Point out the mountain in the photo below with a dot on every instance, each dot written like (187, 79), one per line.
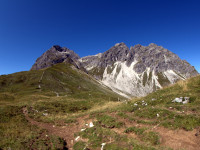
(139, 70)
(57, 54)
(130, 72)
(60, 105)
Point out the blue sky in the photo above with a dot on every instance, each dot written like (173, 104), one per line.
(29, 27)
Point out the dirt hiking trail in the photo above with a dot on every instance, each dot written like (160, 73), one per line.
(65, 132)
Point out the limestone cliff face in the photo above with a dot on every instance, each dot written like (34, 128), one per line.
(139, 70)
(132, 72)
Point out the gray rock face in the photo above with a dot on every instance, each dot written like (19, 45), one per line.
(90, 62)
(116, 53)
(54, 55)
(159, 59)
(155, 57)
(140, 70)
(130, 72)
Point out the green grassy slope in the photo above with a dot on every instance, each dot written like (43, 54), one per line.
(134, 125)
(171, 115)
(61, 79)
(61, 89)
(141, 123)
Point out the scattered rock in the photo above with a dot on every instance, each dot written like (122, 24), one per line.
(45, 114)
(144, 104)
(57, 94)
(83, 129)
(76, 139)
(102, 145)
(181, 100)
(91, 125)
(198, 132)
(187, 99)
(178, 100)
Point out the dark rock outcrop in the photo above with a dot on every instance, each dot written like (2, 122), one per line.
(54, 55)
(116, 53)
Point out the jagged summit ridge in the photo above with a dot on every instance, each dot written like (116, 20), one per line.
(139, 70)
(135, 72)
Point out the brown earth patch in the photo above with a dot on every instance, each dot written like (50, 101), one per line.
(175, 139)
(65, 132)
(178, 139)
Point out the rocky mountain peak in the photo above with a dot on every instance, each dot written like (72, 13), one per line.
(136, 46)
(122, 44)
(152, 45)
(135, 72)
(140, 70)
(57, 48)
(116, 53)
(56, 54)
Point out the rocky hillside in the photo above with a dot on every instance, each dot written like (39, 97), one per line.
(54, 55)
(132, 72)
(139, 70)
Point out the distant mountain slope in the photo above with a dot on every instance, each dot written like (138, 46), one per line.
(138, 71)
(134, 72)
(62, 79)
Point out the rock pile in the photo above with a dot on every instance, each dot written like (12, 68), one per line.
(183, 100)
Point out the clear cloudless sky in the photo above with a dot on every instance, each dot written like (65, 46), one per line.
(30, 27)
